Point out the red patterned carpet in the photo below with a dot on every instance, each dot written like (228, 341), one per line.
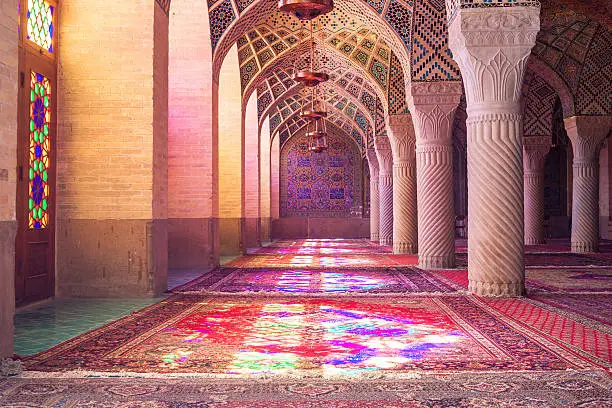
(311, 330)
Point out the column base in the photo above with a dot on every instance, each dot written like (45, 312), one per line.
(582, 247)
(495, 289)
(437, 261)
(404, 248)
(534, 241)
(374, 237)
(386, 241)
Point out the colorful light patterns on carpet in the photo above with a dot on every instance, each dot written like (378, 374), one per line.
(243, 336)
(40, 23)
(323, 281)
(38, 174)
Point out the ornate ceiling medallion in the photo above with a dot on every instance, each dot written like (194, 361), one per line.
(306, 9)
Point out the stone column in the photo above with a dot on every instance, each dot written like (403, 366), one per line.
(535, 149)
(374, 196)
(385, 177)
(586, 133)
(491, 46)
(433, 107)
(401, 136)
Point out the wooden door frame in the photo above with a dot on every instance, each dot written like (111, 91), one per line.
(33, 58)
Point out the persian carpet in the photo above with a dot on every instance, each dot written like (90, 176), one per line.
(591, 339)
(322, 261)
(333, 281)
(569, 280)
(597, 307)
(323, 243)
(553, 260)
(319, 250)
(466, 390)
(319, 337)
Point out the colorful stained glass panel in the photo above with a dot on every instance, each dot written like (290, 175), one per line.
(40, 23)
(40, 126)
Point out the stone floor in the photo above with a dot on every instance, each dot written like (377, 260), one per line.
(46, 324)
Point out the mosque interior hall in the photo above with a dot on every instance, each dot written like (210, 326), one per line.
(305, 203)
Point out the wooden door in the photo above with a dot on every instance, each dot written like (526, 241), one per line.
(36, 164)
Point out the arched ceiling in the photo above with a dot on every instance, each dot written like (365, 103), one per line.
(280, 86)
(295, 126)
(577, 48)
(335, 32)
(387, 19)
(342, 111)
(327, 60)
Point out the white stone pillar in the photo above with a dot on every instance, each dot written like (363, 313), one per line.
(535, 149)
(402, 138)
(586, 133)
(491, 46)
(433, 106)
(374, 195)
(385, 177)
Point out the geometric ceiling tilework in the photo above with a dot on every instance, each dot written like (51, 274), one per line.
(399, 16)
(538, 102)
(577, 48)
(594, 95)
(221, 18)
(343, 84)
(281, 37)
(388, 20)
(296, 125)
(284, 114)
(431, 57)
(397, 91)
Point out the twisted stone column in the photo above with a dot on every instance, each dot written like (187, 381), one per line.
(374, 195)
(491, 46)
(535, 149)
(433, 105)
(385, 177)
(586, 133)
(401, 136)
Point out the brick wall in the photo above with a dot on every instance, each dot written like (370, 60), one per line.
(251, 159)
(264, 156)
(230, 138)
(231, 148)
(190, 135)
(192, 145)
(275, 178)
(112, 149)
(8, 155)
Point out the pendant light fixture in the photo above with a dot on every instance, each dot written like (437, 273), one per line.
(306, 9)
(309, 77)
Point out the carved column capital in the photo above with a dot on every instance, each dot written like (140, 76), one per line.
(384, 154)
(372, 162)
(434, 105)
(587, 133)
(402, 138)
(535, 149)
(491, 48)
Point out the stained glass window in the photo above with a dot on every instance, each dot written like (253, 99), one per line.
(40, 23)
(40, 122)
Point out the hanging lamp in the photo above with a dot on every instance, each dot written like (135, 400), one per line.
(306, 9)
(309, 77)
(314, 110)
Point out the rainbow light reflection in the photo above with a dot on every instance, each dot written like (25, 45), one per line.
(331, 336)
